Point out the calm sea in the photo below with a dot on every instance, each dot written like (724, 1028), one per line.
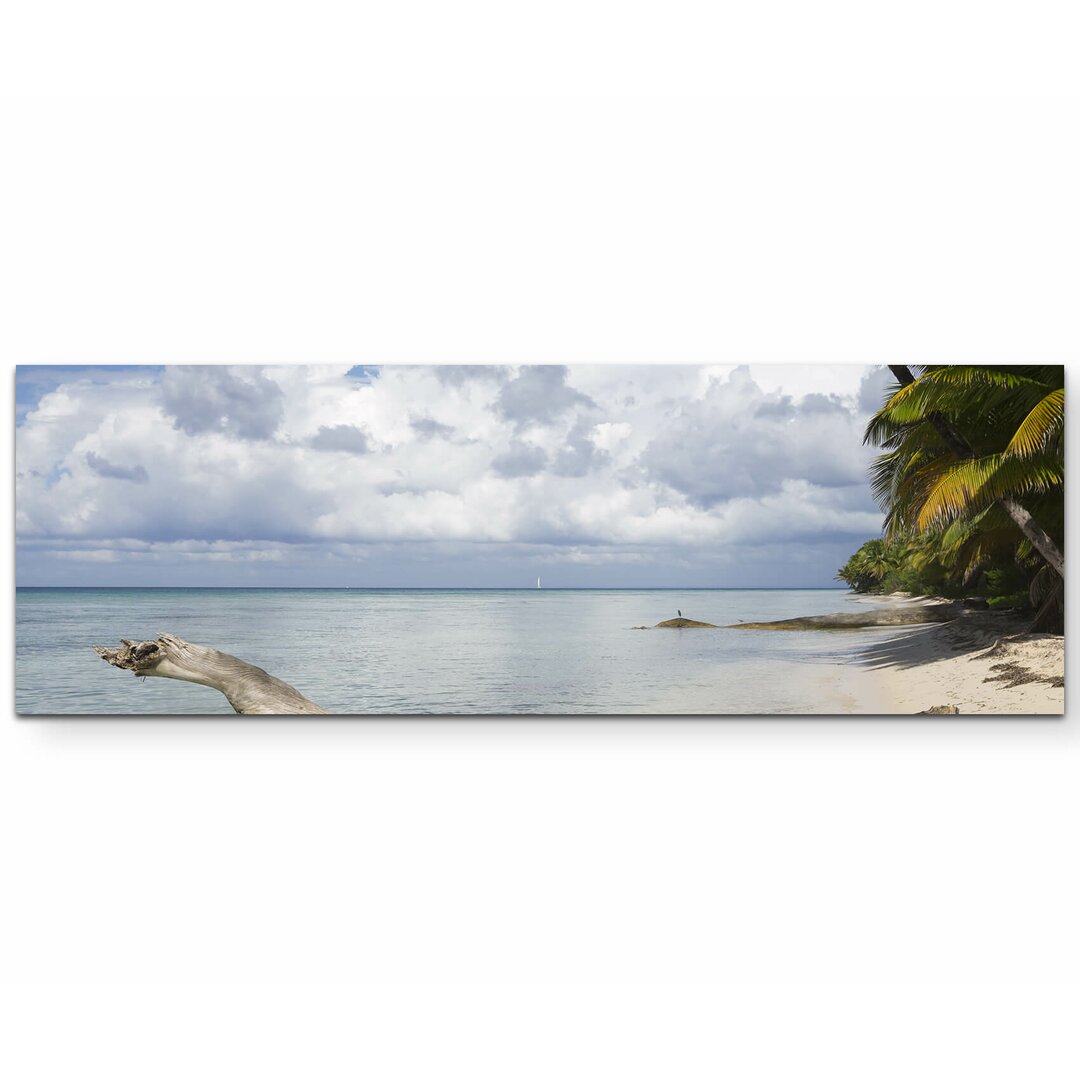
(438, 651)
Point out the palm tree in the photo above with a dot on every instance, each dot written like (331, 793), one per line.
(870, 565)
(879, 561)
(966, 444)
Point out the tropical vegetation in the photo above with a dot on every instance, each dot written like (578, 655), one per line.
(971, 480)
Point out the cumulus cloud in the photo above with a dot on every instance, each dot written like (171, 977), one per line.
(736, 440)
(519, 460)
(537, 395)
(242, 402)
(460, 475)
(579, 455)
(340, 437)
(459, 374)
(873, 388)
(427, 428)
(137, 474)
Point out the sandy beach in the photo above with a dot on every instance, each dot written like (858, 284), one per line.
(982, 662)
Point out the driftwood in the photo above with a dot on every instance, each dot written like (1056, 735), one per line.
(249, 689)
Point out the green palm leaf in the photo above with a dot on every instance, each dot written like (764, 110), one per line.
(1045, 421)
(959, 447)
(972, 484)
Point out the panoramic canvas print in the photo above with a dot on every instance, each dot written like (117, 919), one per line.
(539, 539)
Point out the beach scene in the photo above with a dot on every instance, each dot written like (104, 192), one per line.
(584, 540)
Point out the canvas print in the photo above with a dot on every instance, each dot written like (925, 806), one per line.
(540, 540)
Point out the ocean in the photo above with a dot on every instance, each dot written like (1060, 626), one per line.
(440, 651)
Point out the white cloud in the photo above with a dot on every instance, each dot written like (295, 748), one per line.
(737, 440)
(615, 464)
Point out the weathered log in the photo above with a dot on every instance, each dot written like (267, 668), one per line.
(249, 689)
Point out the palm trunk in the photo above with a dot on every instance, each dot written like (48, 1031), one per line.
(1040, 539)
(1050, 618)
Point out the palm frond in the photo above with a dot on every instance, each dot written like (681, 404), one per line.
(972, 484)
(1040, 425)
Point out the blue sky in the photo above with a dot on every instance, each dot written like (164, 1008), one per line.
(442, 476)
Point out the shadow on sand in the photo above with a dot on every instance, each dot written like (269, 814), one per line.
(913, 648)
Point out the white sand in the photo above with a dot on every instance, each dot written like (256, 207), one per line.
(957, 664)
(962, 663)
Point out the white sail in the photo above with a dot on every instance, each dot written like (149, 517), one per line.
(538, 583)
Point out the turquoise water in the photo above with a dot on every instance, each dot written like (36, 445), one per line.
(436, 651)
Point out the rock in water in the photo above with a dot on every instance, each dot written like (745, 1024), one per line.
(685, 624)
(856, 620)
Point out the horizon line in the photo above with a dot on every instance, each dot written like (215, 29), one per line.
(470, 588)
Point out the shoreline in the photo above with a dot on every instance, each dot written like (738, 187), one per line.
(982, 662)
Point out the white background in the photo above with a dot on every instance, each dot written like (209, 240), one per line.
(565, 183)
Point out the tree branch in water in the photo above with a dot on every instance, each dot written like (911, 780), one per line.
(249, 689)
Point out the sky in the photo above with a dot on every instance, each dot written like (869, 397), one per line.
(443, 476)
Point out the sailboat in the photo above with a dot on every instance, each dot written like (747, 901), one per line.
(538, 583)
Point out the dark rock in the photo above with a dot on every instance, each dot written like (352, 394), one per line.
(687, 624)
(857, 620)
